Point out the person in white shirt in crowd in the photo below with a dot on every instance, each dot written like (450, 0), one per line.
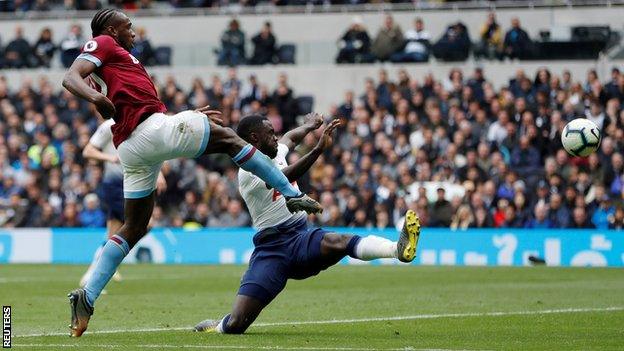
(417, 44)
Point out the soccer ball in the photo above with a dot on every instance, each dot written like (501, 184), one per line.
(580, 137)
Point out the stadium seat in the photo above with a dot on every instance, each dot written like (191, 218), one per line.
(305, 104)
(163, 55)
(286, 53)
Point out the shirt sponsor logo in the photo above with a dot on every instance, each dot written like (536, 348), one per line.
(134, 59)
(90, 46)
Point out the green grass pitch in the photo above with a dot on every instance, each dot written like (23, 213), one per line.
(346, 308)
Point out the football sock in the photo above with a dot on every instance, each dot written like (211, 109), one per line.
(372, 247)
(96, 257)
(113, 253)
(254, 161)
(221, 327)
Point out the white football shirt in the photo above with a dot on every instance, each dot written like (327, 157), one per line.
(103, 140)
(267, 207)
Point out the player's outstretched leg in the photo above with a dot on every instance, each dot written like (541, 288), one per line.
(335, 246)
(246, 310)
(137, 213)
(247, 157)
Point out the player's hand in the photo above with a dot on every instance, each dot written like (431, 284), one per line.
(161, 184)
(104, 106)
(213, 115)
(114, 159)
(326, 139)
(314, 120)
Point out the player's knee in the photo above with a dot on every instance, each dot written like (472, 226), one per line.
(334, 243)
(225, 139)
(133, 233)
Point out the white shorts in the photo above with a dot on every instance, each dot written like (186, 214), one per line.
(155, 140)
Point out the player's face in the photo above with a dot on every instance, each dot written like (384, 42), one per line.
(125, 33)
(267, 140)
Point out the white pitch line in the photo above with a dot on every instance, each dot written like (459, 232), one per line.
(358, 320)
(234, 347)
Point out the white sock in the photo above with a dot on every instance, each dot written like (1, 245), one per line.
(372, 247)
(219, 328)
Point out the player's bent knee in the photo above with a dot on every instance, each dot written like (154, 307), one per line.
(223, 139)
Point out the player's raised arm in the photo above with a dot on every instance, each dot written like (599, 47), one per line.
(297, 169)
(75, 83)
(293, 137)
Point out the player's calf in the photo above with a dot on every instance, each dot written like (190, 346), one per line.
(334, 244)
(372, 247)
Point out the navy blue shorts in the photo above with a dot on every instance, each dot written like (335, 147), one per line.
(112, 197)
(289, 252)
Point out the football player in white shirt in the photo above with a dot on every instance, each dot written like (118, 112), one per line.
(101, 148)
(285, 246)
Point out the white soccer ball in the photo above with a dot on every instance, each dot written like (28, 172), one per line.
(580, 137)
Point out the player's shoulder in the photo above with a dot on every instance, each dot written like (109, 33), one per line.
(282, 149)
(99, 42)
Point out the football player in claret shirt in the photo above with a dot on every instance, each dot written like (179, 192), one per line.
(145, 137)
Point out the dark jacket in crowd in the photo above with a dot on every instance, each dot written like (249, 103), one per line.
(264, 49)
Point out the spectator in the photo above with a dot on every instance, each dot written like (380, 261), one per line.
(92, 216)
(617, 220)
(265, 50)
(595, 114)
(540, 219)
(525, 158)
(417, 45)
(71, 45)
(558, 213)
(284, 100)
(18, 53)
(232, 46)
(454, 45)
(44, 48)
(235, 216)
(603, 214)
(580, 220)
(511, 218)
(491, 44)
(70, 216)
(463, 219)
(389, 40)
(612, 87)
(441, 210)
(43, 154)
(355, 45)
(142, 49)
(517, 43)
(17, 213)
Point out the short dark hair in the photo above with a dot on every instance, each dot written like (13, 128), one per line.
(101, 19)
(249, 124)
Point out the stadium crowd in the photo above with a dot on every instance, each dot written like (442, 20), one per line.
(19, 53)
(390, 43)
(458, 151)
